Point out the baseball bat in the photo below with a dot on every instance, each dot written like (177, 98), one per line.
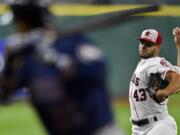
(109, 20)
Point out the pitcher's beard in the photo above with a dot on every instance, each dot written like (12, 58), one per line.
(146, 56)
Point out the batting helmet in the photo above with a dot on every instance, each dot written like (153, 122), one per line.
(40, 3)
(33, 12)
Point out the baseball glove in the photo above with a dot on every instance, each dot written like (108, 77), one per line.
(156, 83)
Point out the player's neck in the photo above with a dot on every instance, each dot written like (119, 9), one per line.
(156, 54)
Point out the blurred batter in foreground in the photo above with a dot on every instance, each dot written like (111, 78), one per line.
(66, 75)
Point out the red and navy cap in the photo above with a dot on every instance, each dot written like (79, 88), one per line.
(151, 35)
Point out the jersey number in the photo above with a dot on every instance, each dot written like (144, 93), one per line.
(140, 95)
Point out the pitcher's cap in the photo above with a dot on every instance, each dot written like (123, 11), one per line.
(151, 35)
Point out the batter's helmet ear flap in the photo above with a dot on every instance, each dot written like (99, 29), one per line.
(6, 18)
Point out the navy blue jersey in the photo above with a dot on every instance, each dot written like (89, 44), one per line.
(85, 90)
(88, 87)
(2, 50)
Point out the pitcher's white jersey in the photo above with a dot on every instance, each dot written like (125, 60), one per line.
(141, 104)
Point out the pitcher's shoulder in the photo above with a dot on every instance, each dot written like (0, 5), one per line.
(158, 61)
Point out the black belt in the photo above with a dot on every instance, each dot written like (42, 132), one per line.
(143, 122)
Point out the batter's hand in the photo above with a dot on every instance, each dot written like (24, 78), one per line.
(176, 33)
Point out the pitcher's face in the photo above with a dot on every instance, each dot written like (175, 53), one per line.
(147, 49)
